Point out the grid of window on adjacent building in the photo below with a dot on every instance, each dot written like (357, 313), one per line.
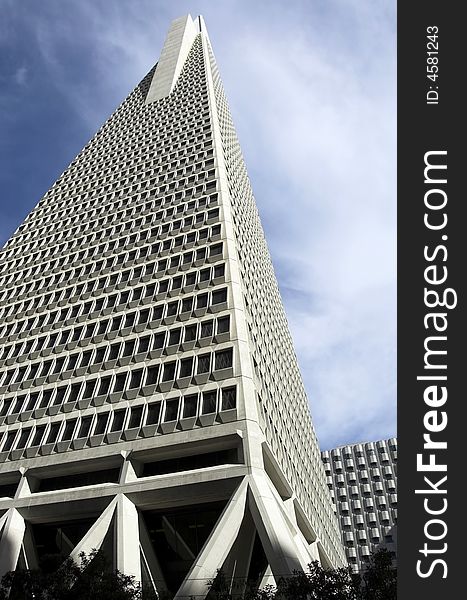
(115, 295)
(362, 479)
(281, 398)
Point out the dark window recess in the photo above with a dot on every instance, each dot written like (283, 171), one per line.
(172, 309)
(78, 480)
(186, 367)
(229, 398)
(187, 304)
(206, 329)
(89, 388)
(39, 434)
(169, 371)
(5, 408)
(9, 441)
(203, 363)
(84, 427)
(117, 423)
(130, 319)
(72, 360)
(74, 392)
(129, 348)
(59, 396)
(135, 380)
(114, 350)
(202, 301)
(119, 382)
(86, 358)
(101, 423)
(219, 296)
(215, 250)
(223, 359)
(189, 406)
(190, 333)
(157, 313)
(102, 327)
(154, 411)
(23, 438)
(135, 418)
(69, 428)
(151, 376)
(53, 432)
(171, 410)
(143, 345)
(209, 402)
(143, 316)
(46, 395)
(205, 275)
(188, 463)
(190, 279)
(100, 353)
(104, 386)
(174, 337)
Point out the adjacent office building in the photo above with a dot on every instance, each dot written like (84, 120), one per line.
(151, 405)
(363, 483)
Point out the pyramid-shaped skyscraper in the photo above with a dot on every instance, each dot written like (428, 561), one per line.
(151, 404)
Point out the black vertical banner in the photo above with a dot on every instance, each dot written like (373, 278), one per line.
(432, 353)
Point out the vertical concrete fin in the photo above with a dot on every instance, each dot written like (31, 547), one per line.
(128, 552)
(177, 45)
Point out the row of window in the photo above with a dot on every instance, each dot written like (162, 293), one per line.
(158, 290)
(171, 410)
(169, 190)
(107, 356)
(117, 239)
(123, 243)
(137, 380)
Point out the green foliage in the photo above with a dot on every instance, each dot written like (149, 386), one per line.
(90, 580)
(378, 582)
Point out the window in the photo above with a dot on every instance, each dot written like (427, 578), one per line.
(189, 406)
(84, 427)
(219, 296)
(69, 428)
(101, 423)
(174, 337)
(223, 359)
(104, 386)
(117, 423)
(89, 388)
(207, 329)
(202, 301)
(169, 371)
(119, 382)
(190, 333)
(135, 380)
(143, 345)
(37, 439)
(204, 363)
(23, 438)
(186, 367)
(229, 398)
(153, 413)
(114, 350)
(135, 418)
(171, 410)
(53, 433)
(209, 402)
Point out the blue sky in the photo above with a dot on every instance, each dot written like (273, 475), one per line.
(312, 88)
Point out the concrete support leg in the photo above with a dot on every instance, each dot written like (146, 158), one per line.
(237, 564)
(280, 549)
(96, 534)
(127, 538)
(11, 540)
(29, 549)
(217, 546)
(150, 559)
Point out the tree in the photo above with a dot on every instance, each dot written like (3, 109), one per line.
(91, 579)
(379, 580)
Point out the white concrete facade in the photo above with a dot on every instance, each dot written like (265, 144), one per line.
(362, 479)
(150, 400)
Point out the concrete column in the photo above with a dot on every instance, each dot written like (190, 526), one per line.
(11, 540)
(96, 534)
(280, 549)
(127, 538)
(218, 545)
